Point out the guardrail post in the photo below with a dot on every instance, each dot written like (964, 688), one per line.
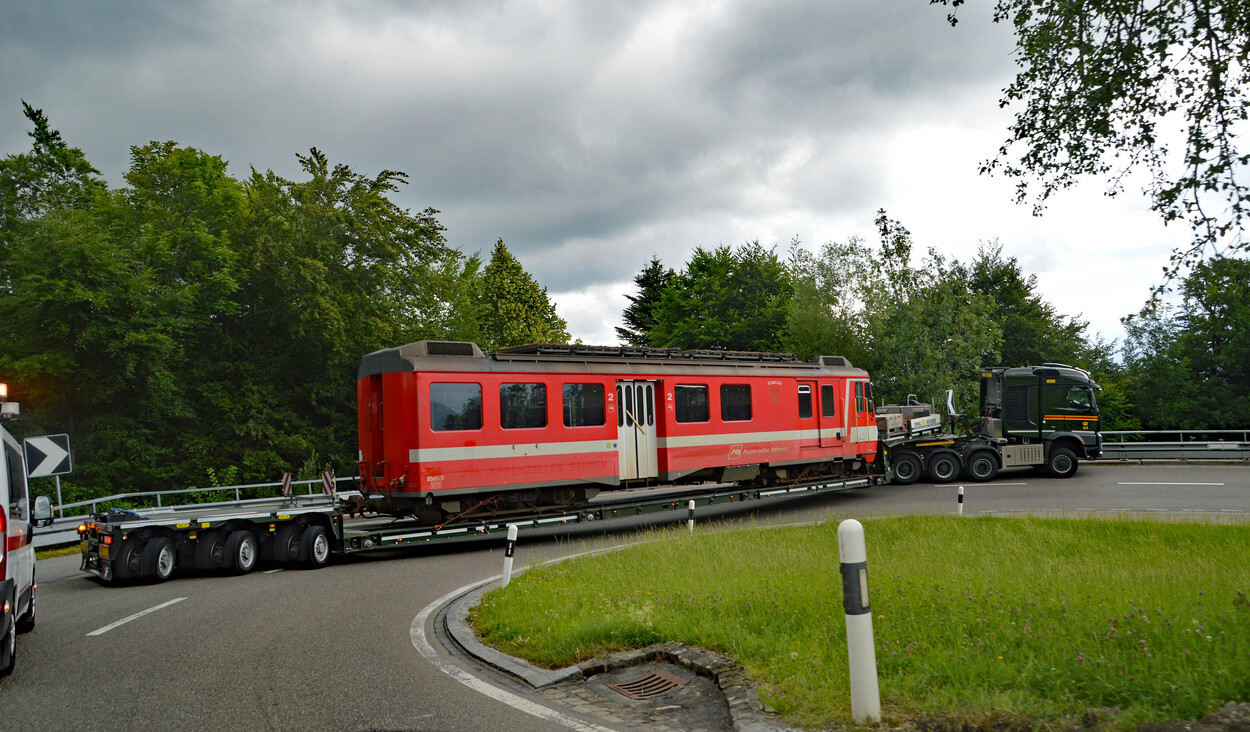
(860, 649)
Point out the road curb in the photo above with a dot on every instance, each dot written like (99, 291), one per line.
(745, 709)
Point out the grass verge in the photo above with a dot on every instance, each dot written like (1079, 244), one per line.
(1036, 619)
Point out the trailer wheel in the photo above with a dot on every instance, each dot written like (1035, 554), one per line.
(157, 560)
(981, 466)
(906, 468)
(210, 551)
(129, 561)
(943, 466)
(314, 547)
(26, 623)
(242, 551)
(1061, 463)
(285, 546)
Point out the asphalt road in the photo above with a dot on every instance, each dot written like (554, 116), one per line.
(331, 648)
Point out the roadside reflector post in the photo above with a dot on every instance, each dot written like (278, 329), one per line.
(961, 500)
(690, 515)
(860, 648)
(507, 555)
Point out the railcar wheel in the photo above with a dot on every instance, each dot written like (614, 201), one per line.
(242, 551)
(943, 466)
(314, 547)
(906, 468)
(26, 623)
(285, 546)
(210, 551)
(982, 466)
(1061, 463)
(157, 561)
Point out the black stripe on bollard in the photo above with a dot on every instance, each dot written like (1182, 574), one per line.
(510, 549)
(855, 588)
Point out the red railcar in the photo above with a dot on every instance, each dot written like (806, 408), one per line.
(448, 430)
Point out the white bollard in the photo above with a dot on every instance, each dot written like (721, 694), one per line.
(690, 515)
(860, 648)
(507, 556)
(961, 500)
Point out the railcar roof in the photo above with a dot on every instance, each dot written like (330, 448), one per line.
(537, 358)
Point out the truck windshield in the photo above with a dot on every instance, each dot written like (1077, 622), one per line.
(1080, 397)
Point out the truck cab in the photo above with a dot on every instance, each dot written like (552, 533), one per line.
(1052, 408)
(17, 552)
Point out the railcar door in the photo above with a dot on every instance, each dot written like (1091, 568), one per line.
(635, 429)
(832, 415)
(809, 422)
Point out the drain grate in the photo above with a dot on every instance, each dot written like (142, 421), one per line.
(653, 684)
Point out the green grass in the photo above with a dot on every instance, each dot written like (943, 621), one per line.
(1031, 619)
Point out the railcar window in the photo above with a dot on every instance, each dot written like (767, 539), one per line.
(620, 409)
(583, 405)
(859, 397)
(522, 406)
(735, 402)
(872, 401)
(828, 406)
(650, 399)
(691, 403)
(455, 407)
(805, 401)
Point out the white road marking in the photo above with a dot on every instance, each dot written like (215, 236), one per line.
(1171, 484)
(419, 641)
(271, 571)
(136, 616)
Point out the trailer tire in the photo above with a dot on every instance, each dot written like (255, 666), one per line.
(981, 465)
(129, 562)
(26, 623)
(906, 468)
(285, 545)
(1061, 463)
(943, 466)
(210, 551)
(314, 547)
(242, 551)
(158, 559)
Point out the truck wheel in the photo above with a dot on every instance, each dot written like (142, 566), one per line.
(210, 551)
(242, 551)
(906, 468)
(981, 466)
(158, 559)
(129, 560)
(314, 547)
(1061, 463)
(8, 650)
(285, 546)
(943, 466)
(26, 623)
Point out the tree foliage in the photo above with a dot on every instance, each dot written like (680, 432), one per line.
(639, 315)
(513, 309)
(1106, 87)
(726, 298)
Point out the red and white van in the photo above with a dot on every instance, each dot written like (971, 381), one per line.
(17, 553)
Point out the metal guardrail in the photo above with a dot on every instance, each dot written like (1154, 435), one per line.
(1177, 445)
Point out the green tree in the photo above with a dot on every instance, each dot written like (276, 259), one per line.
(513, 309)
(639, 315)
(1106, 87)
(825, 318)
(726, 299)
(1033, 332)
(1190, 362)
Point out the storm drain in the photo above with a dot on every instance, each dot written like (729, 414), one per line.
(653, 684)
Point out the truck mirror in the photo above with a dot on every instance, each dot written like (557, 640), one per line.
(43, 511)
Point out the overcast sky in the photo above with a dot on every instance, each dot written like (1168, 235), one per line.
(590, 135)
